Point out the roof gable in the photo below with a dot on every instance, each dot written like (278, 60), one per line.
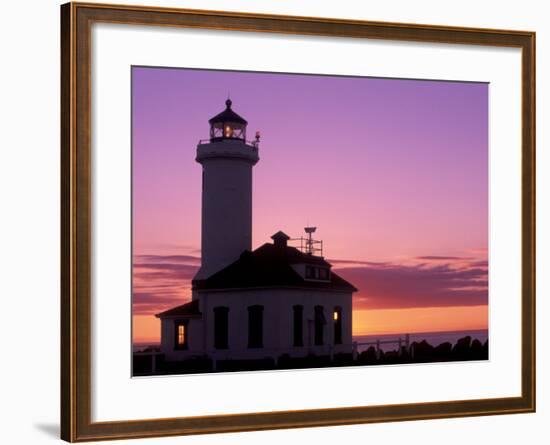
(271, 266)
(190, 309)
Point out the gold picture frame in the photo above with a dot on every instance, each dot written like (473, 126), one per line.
(76, 361)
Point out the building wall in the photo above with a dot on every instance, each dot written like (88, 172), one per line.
(277, 323)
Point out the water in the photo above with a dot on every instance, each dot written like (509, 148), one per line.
(433, 338)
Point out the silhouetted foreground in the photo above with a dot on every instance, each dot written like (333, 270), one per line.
(420, 352)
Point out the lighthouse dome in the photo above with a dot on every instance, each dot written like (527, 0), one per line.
(227, 124)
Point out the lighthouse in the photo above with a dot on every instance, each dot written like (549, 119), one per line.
(227, 160)
(275, 301)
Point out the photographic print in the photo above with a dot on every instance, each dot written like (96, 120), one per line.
(287, 221)
(321, 199)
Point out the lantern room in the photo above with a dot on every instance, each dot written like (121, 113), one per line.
(227, 125)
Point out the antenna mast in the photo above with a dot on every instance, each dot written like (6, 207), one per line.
(309, 241)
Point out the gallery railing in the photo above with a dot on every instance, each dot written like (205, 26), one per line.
(255, 143)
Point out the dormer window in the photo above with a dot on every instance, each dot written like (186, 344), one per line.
(317, 273)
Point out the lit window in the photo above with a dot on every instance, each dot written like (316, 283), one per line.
(181, 334)
(337, 316)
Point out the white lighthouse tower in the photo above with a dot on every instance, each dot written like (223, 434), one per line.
(227, 160)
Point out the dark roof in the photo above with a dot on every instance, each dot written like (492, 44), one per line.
(271, 266)
(185, 310)
(228, 115)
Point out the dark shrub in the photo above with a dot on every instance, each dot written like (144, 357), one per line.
(443, 351)
(390, 357)
(476, 349)
(462, 346)
(342, 359)
(368, 356)
(422, 350)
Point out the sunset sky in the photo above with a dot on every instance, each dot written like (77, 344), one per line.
(394, 173)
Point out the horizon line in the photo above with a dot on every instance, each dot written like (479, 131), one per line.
(362, 334)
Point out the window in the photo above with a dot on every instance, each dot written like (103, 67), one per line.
(255, 326)
(221, 327)
(298, 325)
(180, 330)
(317, 273)
(320, 322)
(337, 318)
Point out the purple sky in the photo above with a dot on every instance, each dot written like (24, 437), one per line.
(393, 173)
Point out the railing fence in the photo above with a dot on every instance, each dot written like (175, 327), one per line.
(403, 344)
